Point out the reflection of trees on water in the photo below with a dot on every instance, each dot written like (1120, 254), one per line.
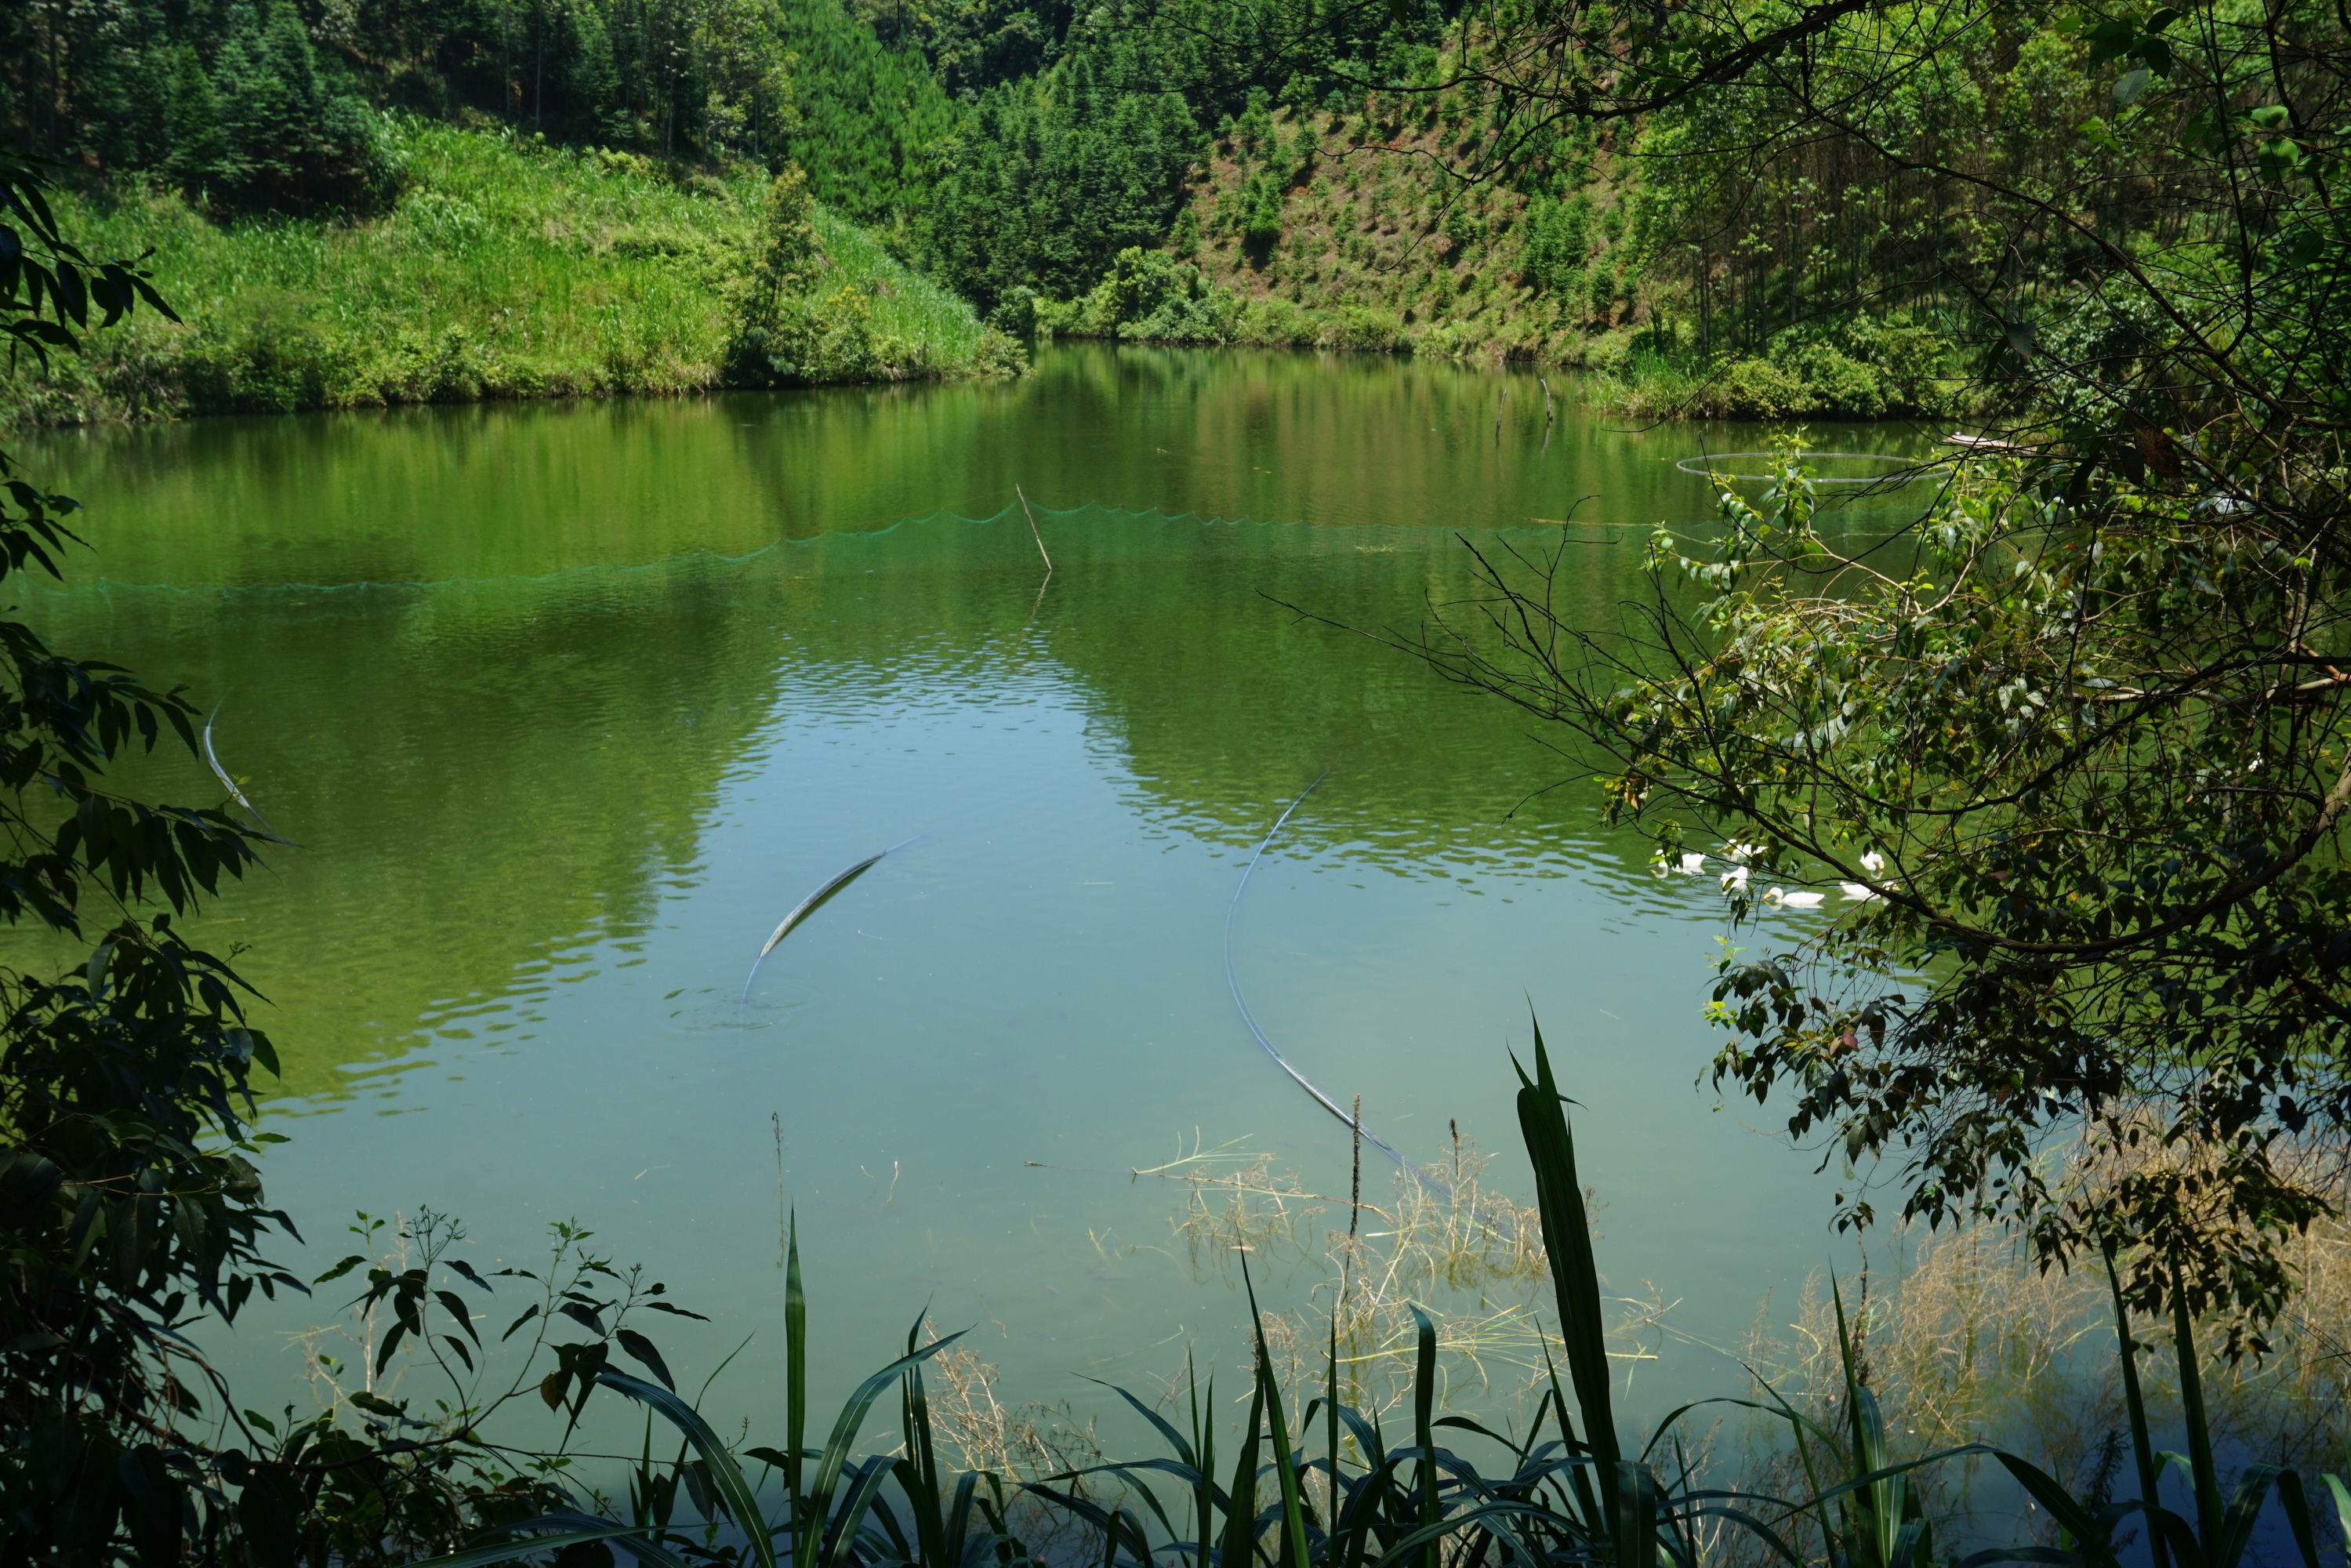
(491, 666)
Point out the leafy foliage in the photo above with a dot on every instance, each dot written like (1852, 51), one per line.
(2078, 745)
(125, 1190)
(506, 269)
(270, 127)
(263, 105)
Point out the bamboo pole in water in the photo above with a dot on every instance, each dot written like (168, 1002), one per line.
(1033, 529)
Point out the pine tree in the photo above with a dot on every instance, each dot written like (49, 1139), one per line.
(195, 150)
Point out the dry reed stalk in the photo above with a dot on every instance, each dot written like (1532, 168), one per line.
(1980, 1341)
(1022, 1443)
(1434, 1245)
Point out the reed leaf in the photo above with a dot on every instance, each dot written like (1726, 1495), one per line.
(1423, 1407)
(1636, 1515)
(2296, 1506)
(2205, 1473)
(835, 1458)
(2075, 1520)
(864, 1489)
(1293, 1505)
(806, 907)
(795, 1366)
(1240, 1508)
(2244, 1508)
(920, 1481)
(1567, 1237)
(726, 1476)
(2134, 1410)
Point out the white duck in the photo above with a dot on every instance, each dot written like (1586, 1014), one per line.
(1735, 880)
(1873, 864)
(1691, 865)
(1741, 853)
(1859, 893)
(1793, 900)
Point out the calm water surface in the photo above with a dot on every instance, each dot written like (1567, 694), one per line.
(566, 705)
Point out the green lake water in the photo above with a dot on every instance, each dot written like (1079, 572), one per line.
(564, 707)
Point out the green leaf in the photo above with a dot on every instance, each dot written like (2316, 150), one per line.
(1637, 1519)
(2071, 1516)
(845, 1428)
(2342, 1496)
(456, 1309)
(2201, 1468)
(1293, 1507)
(726, 1476)
(1423, 1407)
(2134, 1408)
(1575, 1279)
(642, 1348)
(794, 1364)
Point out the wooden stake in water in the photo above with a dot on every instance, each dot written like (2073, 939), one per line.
(1498, 410)
(1354, 1206)
(1355, 1178)
(1033, 529)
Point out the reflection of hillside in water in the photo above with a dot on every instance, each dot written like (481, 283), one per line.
(483, 781)
(496, 669)
(496, 785)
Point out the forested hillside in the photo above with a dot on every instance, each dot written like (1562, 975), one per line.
(1198, 170)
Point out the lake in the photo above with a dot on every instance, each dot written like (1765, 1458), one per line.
(566, 705)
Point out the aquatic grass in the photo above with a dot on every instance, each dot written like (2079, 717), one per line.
(1567, 1492)
(1427, 1244)
(1977, 1335)
(507, 270)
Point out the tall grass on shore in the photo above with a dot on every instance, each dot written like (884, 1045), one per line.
(1322, 1483)
(507, 270)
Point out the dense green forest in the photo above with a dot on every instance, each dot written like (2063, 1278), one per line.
(1365, 177)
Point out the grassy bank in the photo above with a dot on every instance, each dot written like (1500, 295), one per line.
(506, 269)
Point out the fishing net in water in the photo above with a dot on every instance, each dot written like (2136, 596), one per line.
(1887, 469)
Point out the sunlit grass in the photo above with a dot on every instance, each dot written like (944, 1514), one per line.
(507, 270)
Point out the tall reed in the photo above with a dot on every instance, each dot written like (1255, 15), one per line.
(1334, 1486)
